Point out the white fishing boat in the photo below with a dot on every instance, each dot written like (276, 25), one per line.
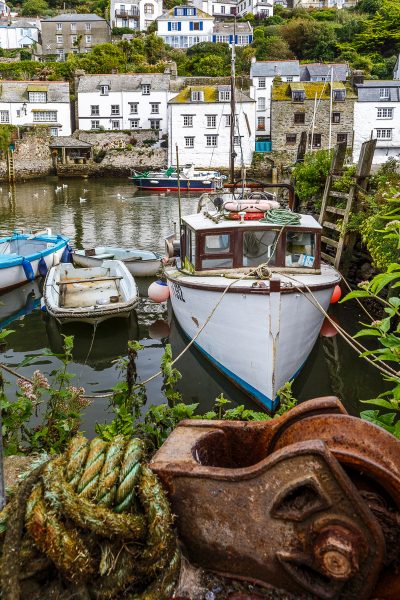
(90, 295)
(140, 263)
(263, 280)
(25, 256)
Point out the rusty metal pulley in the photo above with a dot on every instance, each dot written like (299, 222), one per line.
(309, 502)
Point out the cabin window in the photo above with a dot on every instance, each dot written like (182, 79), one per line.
(216, 244)
(190, 249)
(217, 253)
(300, 249)
(259, 247)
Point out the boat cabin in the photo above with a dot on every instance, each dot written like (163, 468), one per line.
(231, 244)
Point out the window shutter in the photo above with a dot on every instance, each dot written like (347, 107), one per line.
(191, 26)
(201, 25)
(214, 38)
(231, 39)
(179, 26)
(169, 26)
(250, 39)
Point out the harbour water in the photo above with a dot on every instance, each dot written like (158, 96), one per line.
(111, 212)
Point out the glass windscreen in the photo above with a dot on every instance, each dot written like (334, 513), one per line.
(216, 244)
(300, 249)
(259, 247)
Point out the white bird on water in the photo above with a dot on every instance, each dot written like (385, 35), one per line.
(82, 200)
(58, 189)
(85, 191)
(36, 195)
(65, 185)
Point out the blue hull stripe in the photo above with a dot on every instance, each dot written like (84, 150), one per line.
(13, 260)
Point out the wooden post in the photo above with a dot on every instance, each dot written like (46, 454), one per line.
(179, 185)
(2, 485)
(63, 155)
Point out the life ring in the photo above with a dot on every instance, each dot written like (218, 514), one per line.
(249, 216)
(251, 206)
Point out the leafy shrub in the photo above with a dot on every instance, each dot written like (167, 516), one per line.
(310, 175)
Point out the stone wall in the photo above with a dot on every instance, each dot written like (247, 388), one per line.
(282, 123)
(32, 156)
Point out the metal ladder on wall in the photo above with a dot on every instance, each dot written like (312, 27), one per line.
(337, 205)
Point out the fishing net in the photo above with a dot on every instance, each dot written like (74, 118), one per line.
(93, 523)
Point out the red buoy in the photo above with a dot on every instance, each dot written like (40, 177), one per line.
(336, 294)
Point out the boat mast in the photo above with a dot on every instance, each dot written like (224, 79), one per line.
(232, 154)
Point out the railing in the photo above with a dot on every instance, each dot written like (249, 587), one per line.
(134, 12)
(263, 146)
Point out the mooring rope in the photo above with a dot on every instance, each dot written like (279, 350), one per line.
(97, 514)
(281, 216)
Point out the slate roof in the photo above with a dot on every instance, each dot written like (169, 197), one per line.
(271, 68)
(369, 91)
(73, 17)
(17, 91)
(308, 71)
(228, 28)
(210, 95)
(68, 142)
(123, 82)
(200, 14)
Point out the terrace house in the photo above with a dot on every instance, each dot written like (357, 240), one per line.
(33, 103)
(220, 9)
(377, 115)
(199, 119)
(20, 34)
(323, 72)
(76, 33)
(293, 112)
(184, 26)
(259, 8)
(134, 14)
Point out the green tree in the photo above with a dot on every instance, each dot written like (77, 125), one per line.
(272, 48)
(155, 48)
(369, 6)
(32, 8)
(213, 66)
(311, 40)
(381, 33)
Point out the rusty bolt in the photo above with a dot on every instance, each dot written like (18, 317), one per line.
(337, 552)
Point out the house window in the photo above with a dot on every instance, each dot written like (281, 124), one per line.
(37, 96)
(222, 38)
(298, 96)
(339, 95)
(115, 109)
(242, 40)
(385, 113)
(133, 108)
(289, 78)
(384, 134)
(179, 12)
(104, 89)
(261, 104)
(4, 116)
(341, 137)
(291, 138)
(114, 124)
(95, 110)
(227, 120)
(59, 27)
(197, 96)
(190, 12)
(73, 26)
(155, 124)
(261, 83)
(261, 123)
(175, 26)
(155, 108)
(95, 124)
(44, 116)
(197, 26)
(225, 95)
(74, 39)
(299, 118)
(189, 142)
(211, 141)
(59, 39)
(211, 121)
(148, 9)
(384, 93)
(316, 141)
(88, 39)
(54, 131)
(88, 27)
(336, 117)
(146, 89)
(236, 140)
(134, 123)
(222, 10)
(188, 120)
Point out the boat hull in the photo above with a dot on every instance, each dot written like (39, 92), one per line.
(167, 184)
(137, 268)
(12, 277)
(257, 338)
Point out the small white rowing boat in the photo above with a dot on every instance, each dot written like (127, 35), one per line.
(25, 256)
(140, 263)
(90, 295)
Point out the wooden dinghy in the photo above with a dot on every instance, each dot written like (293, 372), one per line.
(140, 263)
(91, 295)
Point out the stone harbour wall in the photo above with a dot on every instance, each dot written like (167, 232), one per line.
(32, 157)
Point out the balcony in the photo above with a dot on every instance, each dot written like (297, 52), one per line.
(127, 14)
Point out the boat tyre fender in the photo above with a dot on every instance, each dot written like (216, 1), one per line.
(42, 267)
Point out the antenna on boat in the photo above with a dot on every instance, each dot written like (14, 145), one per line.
(232, 155)
(179, 185)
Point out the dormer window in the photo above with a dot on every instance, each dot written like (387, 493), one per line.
(145, 89)
(298, 96)
(339, 95)
(104, 90)
(37, 96)
(179, 12)
(197, 96)
(384, 93)
(224, 95)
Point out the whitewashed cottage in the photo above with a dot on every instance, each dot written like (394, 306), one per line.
(34, 103)
(199, 120)
(184, 26)
(217, 8)
(123, 101)
(19, 34)
(225, 32)
(262, 74)
(259, 8)
(377, 115)
(135, 14)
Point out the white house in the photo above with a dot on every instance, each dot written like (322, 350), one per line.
(123, 101)
(135, 14)
(377, 115)
(36, 103)
(184, 26)
(225, 32)
(262, 75)
(20, 34)
(259, 8)
(217, 8)
(199, 120)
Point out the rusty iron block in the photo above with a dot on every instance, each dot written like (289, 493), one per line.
(292, 519)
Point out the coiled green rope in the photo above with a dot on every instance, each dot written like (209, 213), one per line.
(281, 216)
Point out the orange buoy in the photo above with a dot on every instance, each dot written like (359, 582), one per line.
(336, 294)
(328, 328)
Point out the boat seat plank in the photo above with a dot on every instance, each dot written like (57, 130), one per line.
(89, 280)
(103, 256)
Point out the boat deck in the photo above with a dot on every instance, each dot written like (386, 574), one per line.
(89, 293)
